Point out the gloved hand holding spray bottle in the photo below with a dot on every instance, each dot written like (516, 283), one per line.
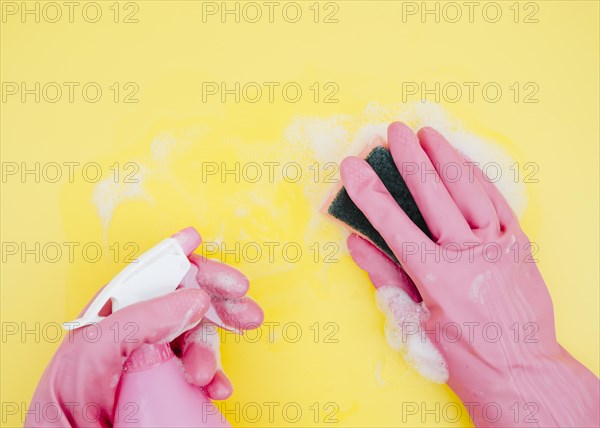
(120, 370)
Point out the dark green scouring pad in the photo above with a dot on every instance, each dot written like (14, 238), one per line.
(345, 210)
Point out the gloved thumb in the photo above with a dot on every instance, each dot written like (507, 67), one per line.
(158, 320)
(381, 269)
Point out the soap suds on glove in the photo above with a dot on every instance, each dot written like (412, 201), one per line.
(404, 333)
(226, 282)
(233, 307)
(476, 290)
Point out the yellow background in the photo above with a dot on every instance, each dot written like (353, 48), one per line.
(368, 53)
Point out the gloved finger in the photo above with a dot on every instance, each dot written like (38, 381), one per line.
(466, 191)
(189, 280)
(381, 269)
(202, 360)
(242, 312)
(200, 353)
(220, 387)
(219, 279)
(505, 214)
(370, 195)
(200, 364)
(161, 319)
(189, 239)
(444, 220)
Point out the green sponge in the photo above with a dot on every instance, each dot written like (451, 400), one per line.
(343, 209)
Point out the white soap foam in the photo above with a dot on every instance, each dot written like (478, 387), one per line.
(477, 289)
(108, 195)
(162, 147)
(114, 381)
(330, 139)
(242, 211)
(508, 249)
(378, 374)
(325, 139)
(226, 282)
(430, 277)
(233, 306)
(404, 333)
(490, 155)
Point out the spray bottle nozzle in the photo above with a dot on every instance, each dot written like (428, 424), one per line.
(155, 273)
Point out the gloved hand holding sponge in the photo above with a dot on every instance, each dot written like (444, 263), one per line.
(446, 255)
(468, 286)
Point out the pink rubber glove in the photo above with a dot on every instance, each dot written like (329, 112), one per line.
(227, 288)
(78, 386)
(477, 278)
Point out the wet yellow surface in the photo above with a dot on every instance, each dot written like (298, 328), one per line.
(163, 115)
